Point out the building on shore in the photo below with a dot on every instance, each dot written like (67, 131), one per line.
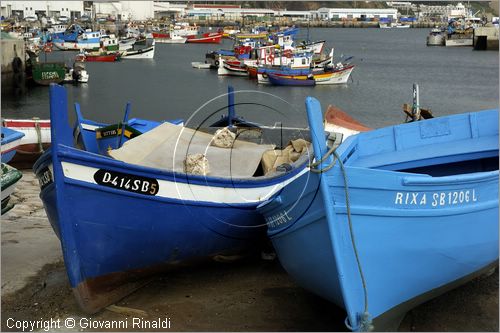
(334, 14)
(22, 9)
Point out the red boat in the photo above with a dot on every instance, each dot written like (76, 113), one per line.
(209, 38)
(102, 57)
(160, 35)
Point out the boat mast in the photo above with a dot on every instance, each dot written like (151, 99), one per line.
(416, 103)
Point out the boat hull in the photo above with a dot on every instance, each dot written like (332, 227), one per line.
(435, 40)
(405, 224)
(35, 141)
(75, 46)
(205, 40)
(133, 232)
(118, 221)
(9, 178)
(145, 53)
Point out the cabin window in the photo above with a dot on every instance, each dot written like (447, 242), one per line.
(31, 8)
(303, 61)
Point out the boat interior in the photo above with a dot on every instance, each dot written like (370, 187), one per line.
(453, 154)
(257, 152)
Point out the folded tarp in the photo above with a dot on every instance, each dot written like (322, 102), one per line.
(167, 146)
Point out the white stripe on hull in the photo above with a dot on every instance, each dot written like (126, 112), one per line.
(191, 192)
(8, 190)
(10, 146)
(31, 136)
(149, 54)
(76, 46)
(336, 78)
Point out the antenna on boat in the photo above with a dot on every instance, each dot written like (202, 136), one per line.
(416, 103)
(230, 104)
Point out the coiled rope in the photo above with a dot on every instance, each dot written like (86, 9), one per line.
(365, 322)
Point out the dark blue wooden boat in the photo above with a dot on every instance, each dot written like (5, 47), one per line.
(393, 216)
(278, 80)
(118, 221)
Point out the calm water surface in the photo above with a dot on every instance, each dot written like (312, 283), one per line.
(452, 80)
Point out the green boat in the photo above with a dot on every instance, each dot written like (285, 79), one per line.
(45, 73)
(10, 176)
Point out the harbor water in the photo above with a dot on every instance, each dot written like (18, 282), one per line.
(388, 62)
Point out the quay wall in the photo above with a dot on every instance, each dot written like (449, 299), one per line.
(486, 38)
(12, 65)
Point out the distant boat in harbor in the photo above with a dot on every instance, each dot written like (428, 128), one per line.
(436, 37)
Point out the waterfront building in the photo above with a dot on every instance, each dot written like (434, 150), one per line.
(124, 10)
(329, 14)
(22, 9)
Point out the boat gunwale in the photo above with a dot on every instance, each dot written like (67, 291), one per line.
(95, 160)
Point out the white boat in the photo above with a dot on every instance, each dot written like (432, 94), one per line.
(77, 74)
(200, 65)
(173, 39)
(147, 52)
(89, 40)
(436, 37)
(126, 43)
(228, 68)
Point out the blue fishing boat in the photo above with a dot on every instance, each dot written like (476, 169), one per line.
(11, 139)
(87, 40)
(119, 216)
(69, 35)
(290, 81)
(99, 138)
(393, 216)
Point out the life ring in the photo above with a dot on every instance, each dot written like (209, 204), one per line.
(270, 58)
(17, 65)
(217, 63)
(241, 50)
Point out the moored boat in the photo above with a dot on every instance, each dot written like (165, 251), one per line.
(278, 80)
(436, 37)
(200, 65)
(338, 121)
(209, 39)
(147, 217)
(33, 143)
(99, 57)
(11, 139)
(381, 212)
(9, 177)
(143, 50)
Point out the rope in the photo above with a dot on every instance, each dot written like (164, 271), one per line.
(39, 136)
(365, 323)
(313, 165)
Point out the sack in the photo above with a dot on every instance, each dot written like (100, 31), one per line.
(223, 138)
(196, 164)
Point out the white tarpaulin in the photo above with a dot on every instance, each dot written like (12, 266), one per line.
(167, 146)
